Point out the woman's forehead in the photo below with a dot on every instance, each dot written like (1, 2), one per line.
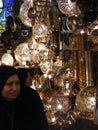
(13, 77)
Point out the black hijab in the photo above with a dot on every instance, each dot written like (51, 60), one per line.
(22, 72)
(5, 72)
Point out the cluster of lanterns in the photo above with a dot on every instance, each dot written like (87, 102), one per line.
(58, 97)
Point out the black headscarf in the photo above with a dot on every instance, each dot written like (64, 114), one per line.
(5, 72)
(22, 72)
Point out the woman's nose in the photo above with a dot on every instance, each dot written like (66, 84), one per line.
(14, 87)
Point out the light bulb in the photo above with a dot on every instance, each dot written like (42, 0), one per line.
(7, 59)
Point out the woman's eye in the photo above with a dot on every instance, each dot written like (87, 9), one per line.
(11, 83)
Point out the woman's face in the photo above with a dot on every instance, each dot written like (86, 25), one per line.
(11, 88)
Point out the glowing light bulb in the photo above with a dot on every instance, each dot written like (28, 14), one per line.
(53, 119)
(59, 106)
(7, 59)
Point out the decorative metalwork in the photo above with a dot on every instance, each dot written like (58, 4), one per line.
(86, 102)
(24, 13)
(68, 8)
(40, 30)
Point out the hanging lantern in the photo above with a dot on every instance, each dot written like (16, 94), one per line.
(24, 13)
(86, 102)
(22, 54)
(57, 107)
(7, 59)
(40, 30)
(68, 8)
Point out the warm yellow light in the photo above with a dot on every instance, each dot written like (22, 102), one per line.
(7, 59)
(59, 107)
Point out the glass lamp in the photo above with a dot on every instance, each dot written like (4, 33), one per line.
(57, 105)
(22, 54)
(86, 102)
(40, 30)
(7, 59)
(68, 8)
(24, 13)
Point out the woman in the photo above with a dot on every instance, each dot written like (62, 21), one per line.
(10, 38)
(20, 107)
(25, 77)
